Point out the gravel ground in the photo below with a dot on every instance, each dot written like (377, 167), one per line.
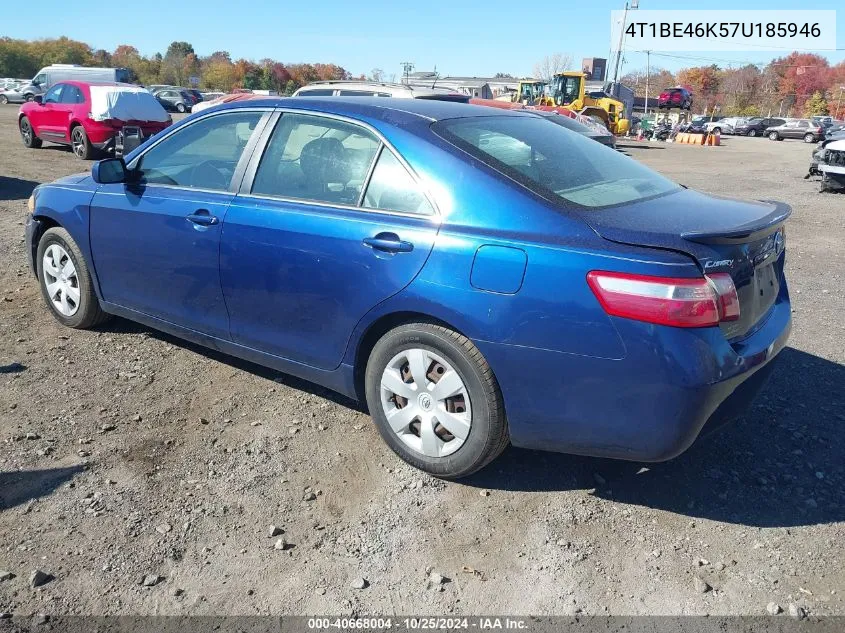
(143, 474)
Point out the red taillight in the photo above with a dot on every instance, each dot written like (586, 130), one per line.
(728, 299)
(675, 301)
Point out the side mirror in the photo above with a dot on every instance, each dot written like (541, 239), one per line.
(109, 171)
(39, 99)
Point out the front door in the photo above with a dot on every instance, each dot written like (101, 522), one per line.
(51, 120)
(155, 241)
(319, 236)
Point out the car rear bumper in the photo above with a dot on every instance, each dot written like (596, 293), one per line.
(649, 406)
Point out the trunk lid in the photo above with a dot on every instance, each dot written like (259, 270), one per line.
(743, 238)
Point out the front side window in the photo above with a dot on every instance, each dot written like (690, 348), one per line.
(391, 188)
(54, 94)
(40, 79)
(553, 162)
(202, 155)
(316, 158)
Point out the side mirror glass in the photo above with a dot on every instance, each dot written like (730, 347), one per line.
(109, 171)
(38, 99)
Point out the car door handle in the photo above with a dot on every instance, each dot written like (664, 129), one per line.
(203, 218)
(388, 243)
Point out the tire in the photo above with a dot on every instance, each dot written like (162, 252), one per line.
(80, 144)
(29, 97)
(28, 134)
(446, 352)
(717, 130)
(180, 107)
(752, 132)
(773, 136)
(809, 138)
(4, 99)
(83, 306)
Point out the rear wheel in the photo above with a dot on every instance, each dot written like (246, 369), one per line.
(4, 99)
(752, 132)
(180, 107)
(80, 144)
(28, 134)
(809, 138)
(65, 281)
(773, 136)
(435, 401)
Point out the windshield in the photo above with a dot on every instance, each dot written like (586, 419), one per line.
(568, 89)
(554, 162)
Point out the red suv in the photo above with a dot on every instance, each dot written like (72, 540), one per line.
(66, 114)
(675, 98)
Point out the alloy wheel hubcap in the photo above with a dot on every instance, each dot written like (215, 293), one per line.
(78, 145)
(426, 402)
(26, 131)
(61, 280)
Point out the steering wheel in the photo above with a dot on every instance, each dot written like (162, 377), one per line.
(207, 176)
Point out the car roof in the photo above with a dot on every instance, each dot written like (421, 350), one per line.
(403, 110)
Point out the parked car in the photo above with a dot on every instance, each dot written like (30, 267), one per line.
(478, 276)
(235, 96)
(51, 75)
(831, 165)
(11, 96)
(174, 100)
(756, 126)
(675, 98)
(818, 154)
(355, 88)
(797, 128)
(89, 116)
(698, 124)
(724, 126)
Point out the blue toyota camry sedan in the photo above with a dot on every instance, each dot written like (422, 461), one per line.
(478, 277)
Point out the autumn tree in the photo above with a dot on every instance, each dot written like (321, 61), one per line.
(815, 105)
(173, 64)
(801, 75)
(658, 80)
(703, 82)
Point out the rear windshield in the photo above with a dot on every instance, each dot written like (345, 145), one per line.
(553, 162)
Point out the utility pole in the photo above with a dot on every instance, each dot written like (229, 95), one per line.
(647, 74)
(634, 5)
(407, 67)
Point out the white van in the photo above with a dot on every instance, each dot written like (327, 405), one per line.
(50, 75)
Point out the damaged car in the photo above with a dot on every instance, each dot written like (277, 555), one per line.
(92, 118)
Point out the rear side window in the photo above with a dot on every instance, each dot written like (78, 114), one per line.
(391, 188)
(356, 93)
(553, 162)
(316, 158)
(72, 94)
(316, 93)
(202, 155)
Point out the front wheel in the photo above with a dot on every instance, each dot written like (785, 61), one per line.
(65, 281)
(773, 136)
(28, 134)
(435, 400)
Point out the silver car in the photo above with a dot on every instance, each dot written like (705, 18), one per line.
(11, 96)
(355, 88)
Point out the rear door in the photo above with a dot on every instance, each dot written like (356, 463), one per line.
(156, 241)
(328, 223)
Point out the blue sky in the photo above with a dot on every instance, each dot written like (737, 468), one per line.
(460, 38)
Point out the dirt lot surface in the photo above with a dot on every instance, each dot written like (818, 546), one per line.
(126, 454)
